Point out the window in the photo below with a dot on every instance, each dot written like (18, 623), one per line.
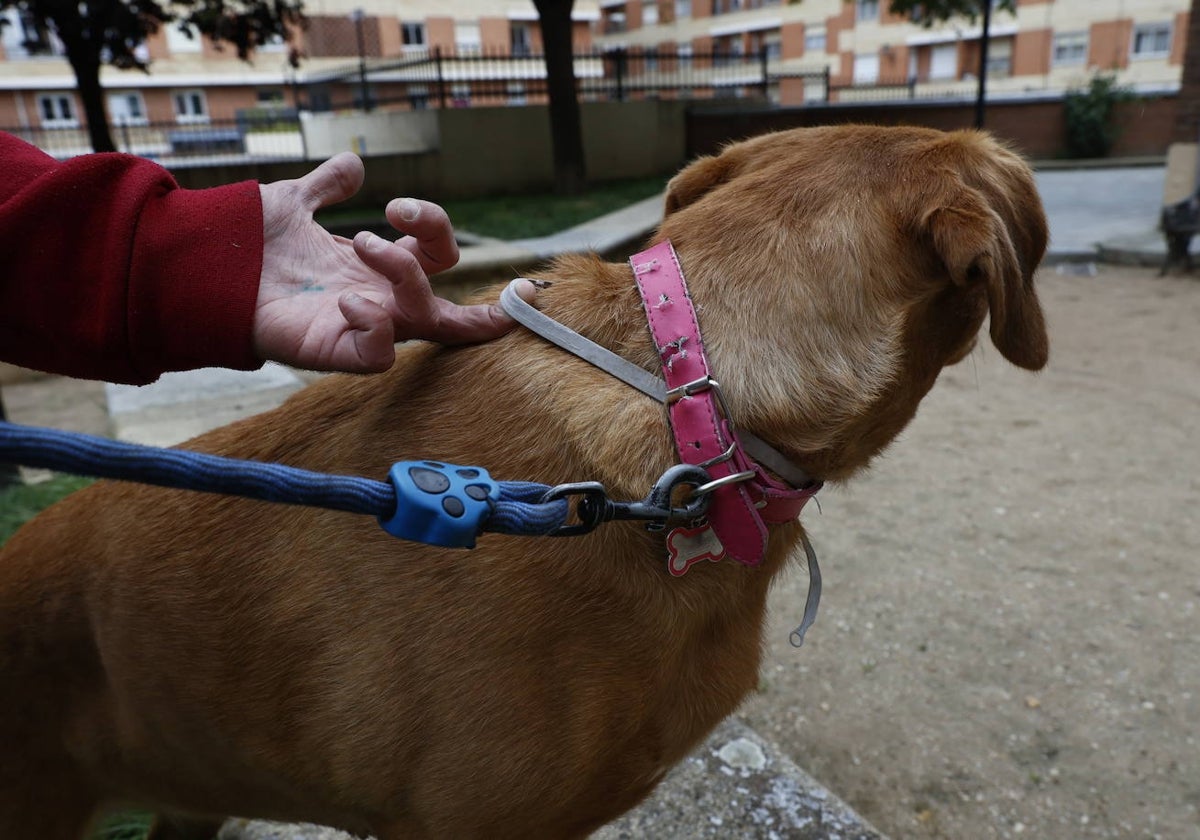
(520, 39)
(1152, 40)
(943, 62)
(179, 41)
(57, 110)
(467, 37)
(866, 10)
(516, 93)
(127, 108)
(412, 34)
(999, 63)
(1070, 48)
(722, 7)
(614, 20)
(683, 9)
(772, 41)
(270, 98)
(190, 106)
(650, 13)
(22, 37)
(866, 69)
(728, 50)
(814, 41)
(460, 96)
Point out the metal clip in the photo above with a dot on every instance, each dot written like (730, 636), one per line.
(656, 510)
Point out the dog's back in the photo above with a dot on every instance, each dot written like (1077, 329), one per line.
(212, 655)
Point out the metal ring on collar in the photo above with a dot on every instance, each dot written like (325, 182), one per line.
(732, 478)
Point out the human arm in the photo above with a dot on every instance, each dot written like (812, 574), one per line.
(114, 272)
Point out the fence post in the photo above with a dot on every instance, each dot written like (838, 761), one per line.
(619, 62)
(912, 87)
(441, 78)
(766, 78)
(357, 17)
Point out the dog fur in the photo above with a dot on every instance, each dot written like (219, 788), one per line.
(205, 655)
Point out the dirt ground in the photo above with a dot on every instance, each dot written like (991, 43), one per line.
(1009, 640)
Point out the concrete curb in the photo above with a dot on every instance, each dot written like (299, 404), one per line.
(737, 784)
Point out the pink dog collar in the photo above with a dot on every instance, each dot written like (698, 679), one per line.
(745, 496)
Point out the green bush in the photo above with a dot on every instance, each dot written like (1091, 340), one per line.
(1091, 131)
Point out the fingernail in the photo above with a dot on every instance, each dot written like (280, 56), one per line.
(406, 209)
(527, 291)
(368, 240)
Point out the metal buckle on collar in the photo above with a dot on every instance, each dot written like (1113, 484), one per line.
(699, 386)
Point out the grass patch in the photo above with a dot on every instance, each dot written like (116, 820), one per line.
(19, 504)
(521, 216)
(125, 825)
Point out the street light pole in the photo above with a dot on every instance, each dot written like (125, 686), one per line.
(981, 94)
(357, 17)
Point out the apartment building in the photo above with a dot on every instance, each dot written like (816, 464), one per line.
(193, 82)
(812, 50)
(1046, 46)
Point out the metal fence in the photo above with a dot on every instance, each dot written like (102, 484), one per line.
(461, 79)
(441, 79)
(247, 138)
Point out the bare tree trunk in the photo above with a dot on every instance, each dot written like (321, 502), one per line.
(84, 57)
(566, 132)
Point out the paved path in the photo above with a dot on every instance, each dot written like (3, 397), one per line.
(1087, 207)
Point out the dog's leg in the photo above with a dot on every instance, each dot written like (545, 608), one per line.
(171, 827)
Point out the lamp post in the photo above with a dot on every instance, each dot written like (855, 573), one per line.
(981, 92)
(365, 94)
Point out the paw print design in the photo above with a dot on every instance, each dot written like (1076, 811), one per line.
(440, 504)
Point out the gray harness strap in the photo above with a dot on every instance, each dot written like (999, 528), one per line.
(655, 388)
(648, 383)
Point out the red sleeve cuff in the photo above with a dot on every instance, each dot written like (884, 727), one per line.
(193, 280)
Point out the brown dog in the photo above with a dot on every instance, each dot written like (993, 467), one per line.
(205, 655)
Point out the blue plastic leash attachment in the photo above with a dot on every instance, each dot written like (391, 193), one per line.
(440, 504)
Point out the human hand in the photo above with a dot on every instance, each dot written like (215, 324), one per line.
(328, 303)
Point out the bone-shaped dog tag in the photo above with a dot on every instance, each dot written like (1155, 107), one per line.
(686, 546)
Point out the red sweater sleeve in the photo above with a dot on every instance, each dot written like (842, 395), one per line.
(112, 271)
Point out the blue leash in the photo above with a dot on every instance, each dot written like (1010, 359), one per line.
(424, 501)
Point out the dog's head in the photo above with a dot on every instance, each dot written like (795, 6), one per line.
(837, 270)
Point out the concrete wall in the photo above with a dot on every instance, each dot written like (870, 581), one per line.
(479, 151)
(380, 133)
(1035, 127)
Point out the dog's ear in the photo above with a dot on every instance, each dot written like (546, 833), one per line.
(976, 246)
(697, 179)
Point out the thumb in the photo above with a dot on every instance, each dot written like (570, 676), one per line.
(337, 179)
